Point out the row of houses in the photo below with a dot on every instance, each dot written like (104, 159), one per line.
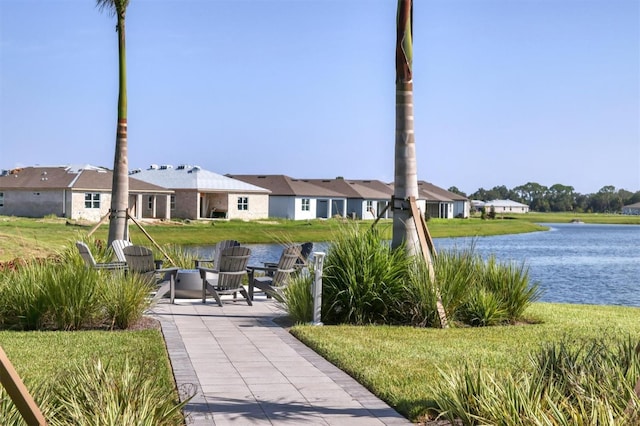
(190, 192)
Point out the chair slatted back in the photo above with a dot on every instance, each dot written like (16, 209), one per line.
(305, 252)
(286, 265)
(85, 253)
(220, 247)
(139, 259)
(232, 266)
(118, 247)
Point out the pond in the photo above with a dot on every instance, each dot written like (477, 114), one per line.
(573, 263)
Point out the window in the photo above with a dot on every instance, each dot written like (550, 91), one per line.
(369, 205)
(1, 199)
(306, 204)
(243, 203)
(92, 200)
(173, 202)
(151, 199)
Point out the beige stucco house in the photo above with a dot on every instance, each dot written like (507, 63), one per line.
(201, 194)
(75, 192)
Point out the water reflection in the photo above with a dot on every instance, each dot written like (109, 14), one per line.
(574, 263)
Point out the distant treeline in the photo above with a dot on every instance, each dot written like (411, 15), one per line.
(558, 198)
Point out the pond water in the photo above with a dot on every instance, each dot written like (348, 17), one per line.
(573, 263)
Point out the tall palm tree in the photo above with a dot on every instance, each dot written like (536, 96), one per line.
(406, 177)
(120, 186)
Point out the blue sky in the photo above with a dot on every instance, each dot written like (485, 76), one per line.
(506, 91)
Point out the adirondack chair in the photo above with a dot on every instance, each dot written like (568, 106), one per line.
(301, 262)
(226, 277)
(90, 261)
(140, 260)
(272, 285)
(117, 246)
(220, 246)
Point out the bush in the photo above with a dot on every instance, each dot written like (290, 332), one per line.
(96, 394)
(65, 294)
(99, 394)
(364, 279)
(298, 299)
(589, 382)
(473, 291)
(124, 298)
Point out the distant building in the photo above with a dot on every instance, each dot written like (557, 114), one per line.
(75, 192)
(443, 204)
(297, 199)
(506, 206)
(200, 194)
(631, 209)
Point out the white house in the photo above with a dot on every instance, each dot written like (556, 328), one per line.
(506, 206)
(201, 194)
(632, 209)
(297, 199)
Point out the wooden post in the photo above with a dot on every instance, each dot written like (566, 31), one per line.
(151, 239)
(18, 393)
(428, 252)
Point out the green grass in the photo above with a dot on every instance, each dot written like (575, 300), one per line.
(28, 238)
(40, 355)
(399, 363)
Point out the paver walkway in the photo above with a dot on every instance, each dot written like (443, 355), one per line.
(245, 369)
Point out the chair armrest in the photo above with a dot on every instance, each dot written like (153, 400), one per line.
(259, 268)
(197, 262)
(173, 270)
(204, 271)
(112, 265)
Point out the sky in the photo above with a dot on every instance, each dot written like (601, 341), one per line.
(506, 92)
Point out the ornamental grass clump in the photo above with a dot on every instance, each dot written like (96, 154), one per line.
(298, 299)
(64, 294)
(473, 291)
(364, 279)
(97, 394)
(569, 383)
(124, 299)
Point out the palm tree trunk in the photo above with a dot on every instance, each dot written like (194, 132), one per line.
(120, 185)
(406, 175)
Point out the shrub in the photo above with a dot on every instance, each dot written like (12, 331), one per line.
(23, 302)
(364, 279)
(473, 291)
(589, 382)
(124, 298)
(298, 299)
(71, 295)
(97, 394)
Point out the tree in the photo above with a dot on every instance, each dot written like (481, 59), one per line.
(406, 176)
(120, 186)
(455, 190)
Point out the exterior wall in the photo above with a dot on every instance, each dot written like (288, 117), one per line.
(631, 210)
(282, 206)
(508, 209)
(461, 208)
(80, 212)
(300, 214)
(258, 205)
(187, 204)
(35, 203)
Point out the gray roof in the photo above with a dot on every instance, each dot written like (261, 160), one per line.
(282, 185)
(193, 177)
(79, 178)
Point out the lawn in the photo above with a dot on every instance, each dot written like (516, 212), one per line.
(399, 363)
(28, 238)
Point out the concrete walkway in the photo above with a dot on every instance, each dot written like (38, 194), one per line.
(247, 370)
